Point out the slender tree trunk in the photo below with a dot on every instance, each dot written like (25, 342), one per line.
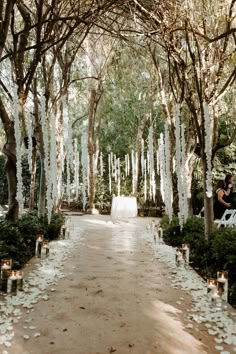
(208, 205)
(10, 151)
(91, 149)
(33, 179)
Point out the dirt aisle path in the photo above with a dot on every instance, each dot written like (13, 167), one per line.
(115, 299)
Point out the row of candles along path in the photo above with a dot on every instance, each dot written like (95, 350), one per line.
(12, 280)
(216, 288)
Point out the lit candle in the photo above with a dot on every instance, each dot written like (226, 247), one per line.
(211, 285)
(12, 283)
(46, 248)
(222, 279)
(38, 247)
(5, 266)
(215, 296)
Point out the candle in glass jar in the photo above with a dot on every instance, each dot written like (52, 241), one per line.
(12, 283)
(222, 279)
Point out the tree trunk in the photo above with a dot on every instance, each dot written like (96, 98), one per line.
(208, 205)
(10, 151)
(33, 179)
(42, 190)
(91, 149)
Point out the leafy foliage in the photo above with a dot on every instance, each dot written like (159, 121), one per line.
(207, 257)
(17, 238)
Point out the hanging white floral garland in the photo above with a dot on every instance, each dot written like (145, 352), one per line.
(46, 153)
(19, 187)
(152, 191)
(145, 179)
(85, 170)
(53, 158)
(142, 156)
(118, 177)
(184, 174)
(181, 168)
(162, 167)
(208, 149)
(61, 169)
(52, 180)
(126, 166)
(109, 171)
(133, 170)
(101, 164)
(168, 175)
(76, 168)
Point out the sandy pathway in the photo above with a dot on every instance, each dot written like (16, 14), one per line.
(115, 299)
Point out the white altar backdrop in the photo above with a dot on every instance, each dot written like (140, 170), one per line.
(124, 207)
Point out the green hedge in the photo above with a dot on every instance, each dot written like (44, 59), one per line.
(206, 257)
(17, 238)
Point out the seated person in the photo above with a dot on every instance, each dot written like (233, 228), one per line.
(232, 195)
(220, 205)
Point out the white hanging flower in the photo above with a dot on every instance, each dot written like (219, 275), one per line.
(19, 187)
(208, 148)
(109, 170)
(151, 164)
(145, 179)
(85, 169)
(46, 154)
(101, 164)
(76, 168)
(168, 175)
(180, 157)
(133, 170)
(142, 156)
(30, 145)
(118, 176)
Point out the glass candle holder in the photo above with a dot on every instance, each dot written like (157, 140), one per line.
(12, 283)
(222, 285)
(38, 246)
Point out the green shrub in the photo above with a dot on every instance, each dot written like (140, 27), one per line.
(17, 238)
(206, 257)
(193, 234)
(171, 231)
(52, 230)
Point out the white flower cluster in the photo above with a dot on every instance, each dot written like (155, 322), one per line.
(19, 187)
(142, 157)
(76, 168)
(46, 152)
(69, 161)
(118, 176)
(168, 175)
(180, 157)
(127, 165)
(85, 167)
(165, 171)
(152, 190)
(101, 164)
(109, 171)
(208, 149)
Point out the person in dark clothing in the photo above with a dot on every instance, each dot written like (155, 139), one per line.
(230, 184)
(220, 204)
